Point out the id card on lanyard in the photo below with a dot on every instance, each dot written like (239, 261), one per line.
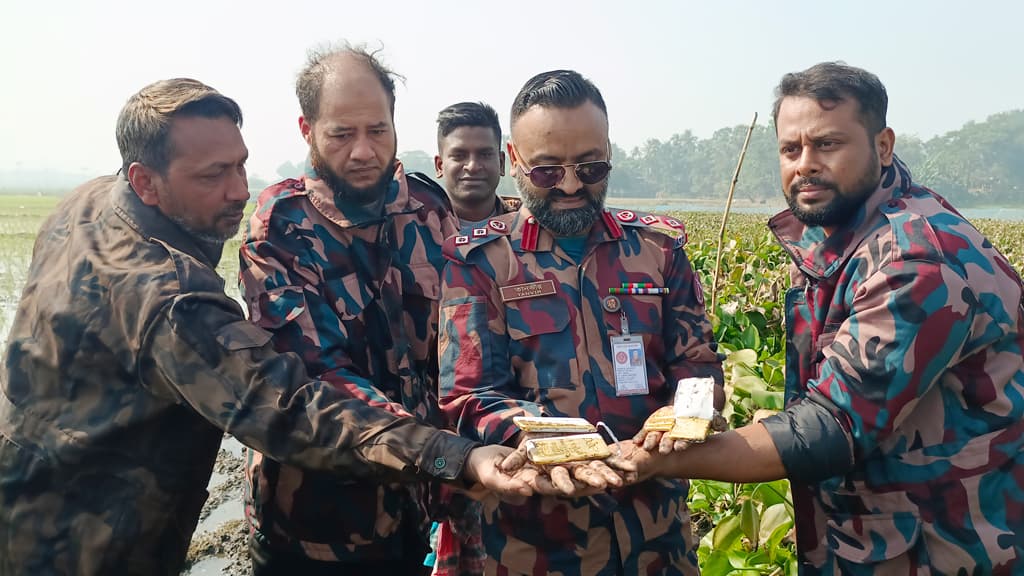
(629, 362)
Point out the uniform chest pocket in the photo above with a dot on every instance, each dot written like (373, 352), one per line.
(422, 280)
(542, 348)
(348, 294)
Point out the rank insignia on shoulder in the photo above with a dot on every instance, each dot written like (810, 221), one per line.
(673, 223)
(461, 240)
(478, 232)
(649, 219)
(626, 215)
(498, 225)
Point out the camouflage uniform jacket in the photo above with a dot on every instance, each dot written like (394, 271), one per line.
(357, 295)
(504, 355)
(907, 324)
(126, 363)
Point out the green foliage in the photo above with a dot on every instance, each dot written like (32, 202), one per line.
(743, 529)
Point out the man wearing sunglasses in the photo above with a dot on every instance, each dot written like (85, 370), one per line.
(529, 326)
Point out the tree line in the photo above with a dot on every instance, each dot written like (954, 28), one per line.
(982, 163)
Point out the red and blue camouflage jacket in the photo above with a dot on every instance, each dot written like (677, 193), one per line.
(360, 296)
(503, 356)
(907, 326)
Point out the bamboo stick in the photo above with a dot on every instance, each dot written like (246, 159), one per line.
(725, 216)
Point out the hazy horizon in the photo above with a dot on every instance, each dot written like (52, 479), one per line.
(663, 67)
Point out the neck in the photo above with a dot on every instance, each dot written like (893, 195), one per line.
(474, 212)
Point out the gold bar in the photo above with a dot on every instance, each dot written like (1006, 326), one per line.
(553, 425)
(567, 449)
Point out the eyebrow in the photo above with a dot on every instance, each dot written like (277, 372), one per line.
(822, 136)
(588, 156)
(223, 165)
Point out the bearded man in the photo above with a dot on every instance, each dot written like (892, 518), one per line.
(342, 266)
(529, 327)
(903, 434)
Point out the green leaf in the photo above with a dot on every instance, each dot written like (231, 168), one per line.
(750, 522)
(726, 533)
(749, 383)
(716, 563)
(769, 400)
(773, 517)
(750, 338)
(745, 356)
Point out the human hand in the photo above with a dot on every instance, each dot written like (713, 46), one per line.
(647, 463)
(660, 441)
(571, 479)
(483, 466)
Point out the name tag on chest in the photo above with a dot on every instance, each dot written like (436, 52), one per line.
(528, 290)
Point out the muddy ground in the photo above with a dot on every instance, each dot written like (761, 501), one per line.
(219, 544)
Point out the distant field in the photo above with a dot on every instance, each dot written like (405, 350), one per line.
(21, 215)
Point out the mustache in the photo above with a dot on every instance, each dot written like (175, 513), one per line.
(234, 207)
(811, 181)
(562, 194)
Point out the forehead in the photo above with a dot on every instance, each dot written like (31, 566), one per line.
(354, 93)
(803, 115)
(561, 132)
(197, 141)
(470, 138)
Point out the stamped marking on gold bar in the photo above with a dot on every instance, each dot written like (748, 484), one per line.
(567, 449)
(550, 424)
(528, 290)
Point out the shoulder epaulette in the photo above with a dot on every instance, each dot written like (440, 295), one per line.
(510, 203)
(459, 246)
(272, 197)
(666, 224)
(428, 183)
(284, 189)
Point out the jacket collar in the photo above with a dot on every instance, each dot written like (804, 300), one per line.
(539, 239)
(151, 223)
(820, 256)
(397, 201)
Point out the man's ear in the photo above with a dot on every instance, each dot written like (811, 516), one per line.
(885, 141)
(437, 167)
(144, 181)
(306, 129)
(513, 161)
(501, 163)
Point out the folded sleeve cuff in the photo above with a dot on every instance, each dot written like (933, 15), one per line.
(812, 442)
(444, 456)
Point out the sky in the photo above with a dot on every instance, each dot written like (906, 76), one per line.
(663, 66)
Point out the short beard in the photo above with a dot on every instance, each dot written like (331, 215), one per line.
(843, 206)
(213, 236)
(567, 222)
(342, 189)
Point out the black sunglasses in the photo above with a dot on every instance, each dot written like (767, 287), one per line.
(549, 176)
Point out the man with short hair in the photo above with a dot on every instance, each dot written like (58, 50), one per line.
(127, 362)
(529, 327)
(903, 434)
(341, 265)
(470, 162)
